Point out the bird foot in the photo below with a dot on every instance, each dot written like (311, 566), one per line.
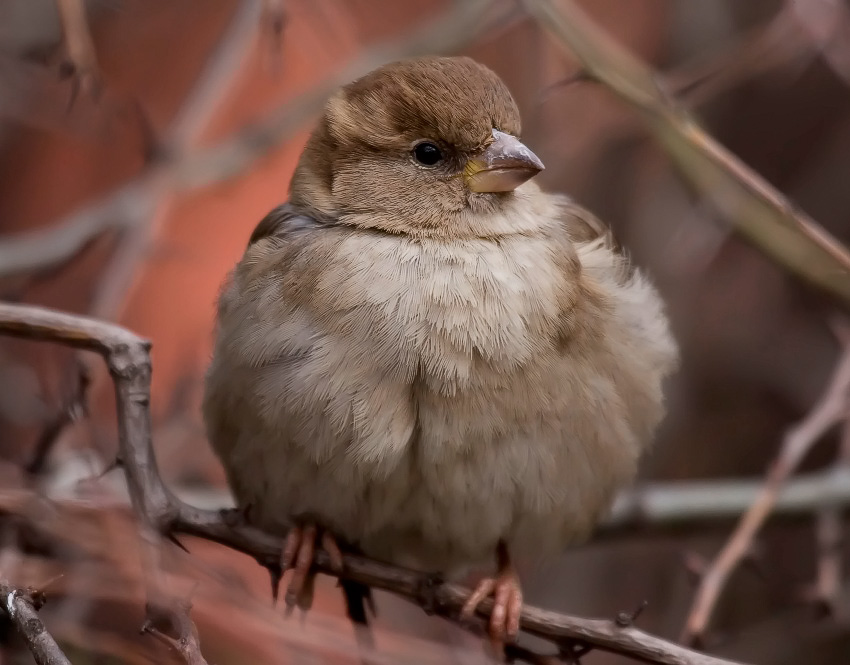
(507, 602)
(298, 552)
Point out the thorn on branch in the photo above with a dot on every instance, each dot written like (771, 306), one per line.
(572, 651)
(172, 538)
(626, 619)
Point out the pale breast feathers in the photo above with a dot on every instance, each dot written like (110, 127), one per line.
(523, 373)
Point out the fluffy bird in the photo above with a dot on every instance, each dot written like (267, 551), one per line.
(422, 355)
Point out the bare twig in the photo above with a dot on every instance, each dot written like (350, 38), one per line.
(656, 507)
(274, 18)
(163, 621)
(135, 203)
(21, 607)
(130, 209)
(70, 411)
(826, 592)
(829, 411)
(827, 24)
(79, 46)
(778, 43)
(746, 200)
(692, 504)
(211, 88)
(159, 511)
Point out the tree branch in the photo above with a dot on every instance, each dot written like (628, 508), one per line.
(79, 46)
(685, 504)
(828, 412)
(753, 207)
(175, 619)
(21, 607)
(160, 512)
(178, 169)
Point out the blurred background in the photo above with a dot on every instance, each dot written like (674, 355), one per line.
(133, 172)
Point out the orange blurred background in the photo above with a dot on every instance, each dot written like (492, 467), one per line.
(179, 77)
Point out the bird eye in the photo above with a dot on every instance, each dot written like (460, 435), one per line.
(427, 153)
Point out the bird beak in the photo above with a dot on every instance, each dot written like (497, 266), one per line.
(502, 166)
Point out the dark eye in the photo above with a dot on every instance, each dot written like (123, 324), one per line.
(427, 153)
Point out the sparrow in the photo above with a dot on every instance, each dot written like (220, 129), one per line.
(423, 356)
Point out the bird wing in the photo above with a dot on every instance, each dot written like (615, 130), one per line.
(285, 220)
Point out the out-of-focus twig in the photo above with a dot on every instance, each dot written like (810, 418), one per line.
(274, 18)
(826, 592)
(692, 504)
(160, 512)
(780, 42)
(461, 24)
(830, 409)
(827, 24)
(79, 46)
(175, 617)
(135, 203)
(211, 88)
(753, 207)
(130, 209)
(657, 507)
(70, 411)
(21, 608)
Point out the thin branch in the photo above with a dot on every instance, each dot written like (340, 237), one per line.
(689, 504)
(655, 507)
(173, 618)
(131, 207)
(134, 203)
(753, 207)
(21, 607)
(826, 592)
(73, 408)
(827, 24)
(461, 24)
(830, 409)
(778, 43)
(79, 46)
(159, 511)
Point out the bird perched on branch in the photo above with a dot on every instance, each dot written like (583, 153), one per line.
(424, 356)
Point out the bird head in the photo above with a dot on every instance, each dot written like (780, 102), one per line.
(428, 146)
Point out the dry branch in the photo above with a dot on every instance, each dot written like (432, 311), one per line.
(691, 504)
(176, 619)
(160, 512)
(79, 46)
(831, 409)
(128, 210)
(779, 43)
(73, 407)
(132, 205)
(21, 607)
(753, 207)
(675, 506)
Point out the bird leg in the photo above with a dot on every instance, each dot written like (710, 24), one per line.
(298, 552)
(507, 600)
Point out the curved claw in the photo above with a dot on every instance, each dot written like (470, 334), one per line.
(298, 554)
(507, 602)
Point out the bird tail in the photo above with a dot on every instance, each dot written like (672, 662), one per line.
(358, 603)
(358, 597)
